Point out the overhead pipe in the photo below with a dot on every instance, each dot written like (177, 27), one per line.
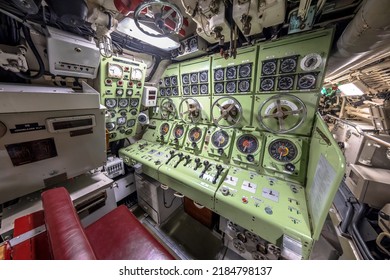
(366, 37)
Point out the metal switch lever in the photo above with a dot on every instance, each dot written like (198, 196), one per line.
(188, 160)
(197, 161)
(181, 157)
(206, 166)
(172, 153)
(219, 171)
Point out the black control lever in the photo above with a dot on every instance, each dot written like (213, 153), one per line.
(162, 137)
(172, 155)
(197, 161)
(188, 160)
(219, 171)
(206, 167)
(193, 144)
(181, 157)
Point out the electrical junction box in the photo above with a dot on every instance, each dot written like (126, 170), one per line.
(149, 98)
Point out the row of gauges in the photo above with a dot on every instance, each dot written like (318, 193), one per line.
(170, 81)
(242, 71)
(232, 86)
(120, 124)
(195, 77)
(118, 72)
(123, 112)
(170, 91)
(287, 82)
(196, 89)
(121, 102)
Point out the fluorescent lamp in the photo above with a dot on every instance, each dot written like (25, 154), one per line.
(353, 89)
(128, 27)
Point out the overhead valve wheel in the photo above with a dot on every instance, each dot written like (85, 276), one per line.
(282, 113)
(168, 109)
(230, 111)
(193, 112)
(159, 15)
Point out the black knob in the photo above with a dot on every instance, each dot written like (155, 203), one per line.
(187, 157)
(197, 160)
(176, 140)
(290, 167)
(250, 158)
(220, 151)
(171, 152)
(180, 155)
(218, 167)
(206, 163)
(193, 144)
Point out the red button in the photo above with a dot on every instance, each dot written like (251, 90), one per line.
(131, 84)
(108, 81)
(244, 200)
(120, 82)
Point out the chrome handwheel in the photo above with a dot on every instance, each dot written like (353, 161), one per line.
(230, 112)
(193, 111)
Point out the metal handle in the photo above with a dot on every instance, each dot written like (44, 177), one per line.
(199, 206)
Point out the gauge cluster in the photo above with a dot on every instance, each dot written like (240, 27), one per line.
(169, 86)
(121, 83)
(233, 79)
(195, 83)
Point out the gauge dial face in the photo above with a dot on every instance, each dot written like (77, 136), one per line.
(311, 62)
(162, 91)
(178, 131)
(123, 102)
(167, 81)
(195, 134)
(164, 129)
(111, 114)
(168, 92)
(247, 144)
(185, 78)
(218, 87)
(110, 102)
(194, 78)
(231, 73)
(134, 102)
(193, 44)
(133, 112)
(174, 80)
(218, 74)
(186, 90)
(282, 150)
(288, 64)
(204, 76)
(286, 83)
(110, 126)
(122, 112)
(307, 81)
(231, 87)
(121, 121)
(175, 91)
(243, 86)
(129, 92)
(204, 89)
(194, 89)
(119, 91)
(245, 70)
(130, 123)
(114, 71)
(220, 139)
(136, 74)
(269, 67)
(267, 84)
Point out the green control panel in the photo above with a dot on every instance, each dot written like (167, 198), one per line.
(121, 84)
(241, 137)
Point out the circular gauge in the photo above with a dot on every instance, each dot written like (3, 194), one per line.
(193, 44)
(204, 89)
(134, 102)
(218, 87)
(110, 102)
(122, 112)
(231, 73)
(164, 129)
(185, 78)
(285, 83)
(129, 92)
(186, 90)
(269, 67)
(311, 62)
(203, 76)
(174, 80)
(220, 139)
(110, 126)
(245, 70)
(178, 131)
(133, 112)
(243, 86)
(161, 82)
(168, 92)
(175, 91)
(218, 74)
(119, 91)
(162, 91)
(167, 81)
(115, 71)
(282, 150)
(130, 123)
(195, 134)
(123, 102)
(231, 87)
(194, 78)
(247, 144)
(111, 114)
(288, 65)
(194, 89)
(136, 74)
(121, 121)
(267, 84)
(307, 81)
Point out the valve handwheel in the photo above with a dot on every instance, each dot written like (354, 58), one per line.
(168, 109)
(159, 15)
(230, 110)
(193, 112)
(282, 113)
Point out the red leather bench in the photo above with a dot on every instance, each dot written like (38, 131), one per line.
(116, 236)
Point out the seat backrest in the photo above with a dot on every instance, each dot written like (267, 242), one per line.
(66, 235)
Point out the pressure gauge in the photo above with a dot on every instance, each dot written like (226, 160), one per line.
(110, 126)
(174, 80)
(175, 91)
(185, 78)
(194, 89)
(186, 90)
(167, 81)
(267, 84)
(282, 150)
(130, 123)
(247, 144)
(244, 85)
(307, 81)
(231, 87)
(245, 70)
(269, 67)
(231, 73)
(193, 44)
(134, 102)
(218, 74)
(123, 102)
(285, 82)
(218, 88)
(114, 71)
(195, 134)
(194, 78)
(220, 139)
(204, 89)
(203, 76)
(162, 91)
(136, 74)
(168, 92)
(121, 121)
(110, 102)
(311, 62)
(288, 64)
